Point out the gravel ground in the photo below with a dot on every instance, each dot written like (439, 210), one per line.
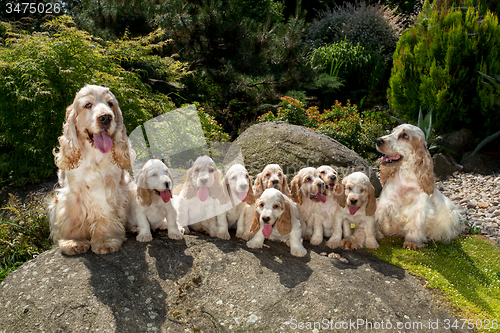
(479, 197)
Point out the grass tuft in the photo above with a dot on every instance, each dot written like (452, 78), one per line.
(466, 271)
(24, 232)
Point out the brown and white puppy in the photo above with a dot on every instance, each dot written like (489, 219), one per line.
(360, 206)
(201, 194)
(151, 207)
(308, 193)
(239, 188)
(89, 209)
(332, 208)
(410, 205)
(277, 216)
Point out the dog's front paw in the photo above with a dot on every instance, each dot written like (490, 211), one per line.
(371, 243)
(144, 238)
(254, 245)
(223, 235)
(333, 243)
(349, 244)
(175, 234)
(411, 246)
(298, 252)
(105, 246)
(71, 247)
(246, 236)
(316, 240)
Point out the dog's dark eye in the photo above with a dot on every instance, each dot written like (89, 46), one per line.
(362, 190)
(268, 175)
(233, 177)
(88, 105)
(279, 175)
(154, 175)
(261, 204)
(276, 206)
(404, 136)
(322, 172)
(211, 170)
(308, 179)
(349, 188)
(197, 170)
(110, 104)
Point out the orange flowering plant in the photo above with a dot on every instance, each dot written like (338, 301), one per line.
(345, 124)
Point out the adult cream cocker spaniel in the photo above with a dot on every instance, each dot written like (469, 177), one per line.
(410, 205)
(89, 209)
(151, 207)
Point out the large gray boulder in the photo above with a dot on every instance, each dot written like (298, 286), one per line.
(296, 147)
(202, 284)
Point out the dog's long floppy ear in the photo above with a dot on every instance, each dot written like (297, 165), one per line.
(143, 193)
(284, 225)
(171, 180)
(218, 190)
(227, 188)
(121, 151)
(69, 155)
(295, 189)
(371, 206)
(386, 173)
(250, 195)
(285, 187)
(255, 226)
(339, 194)
(424, 170)
(191, 189)
(258, 187)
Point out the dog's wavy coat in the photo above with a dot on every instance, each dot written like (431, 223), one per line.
(358, 208)
(201, 194)
(239, 188)
(410, 205)
(277, 216)
(151, 207)
(89, 209)
(308, 189)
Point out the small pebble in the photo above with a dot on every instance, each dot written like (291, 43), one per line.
(334, 255)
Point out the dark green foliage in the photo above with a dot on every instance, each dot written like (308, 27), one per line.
(24, 232)
(40, 75)
(436, 64)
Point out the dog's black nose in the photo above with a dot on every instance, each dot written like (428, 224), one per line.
(167, 185)
(243, 187)
(321, 185)
(105, 119)
(333, 177)
(380, 142)
(353, 201)
(203, 181)
(275, 182)
(266, 219)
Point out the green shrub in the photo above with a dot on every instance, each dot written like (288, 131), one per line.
(40, 75)
(436, 66)
(372, 26)
(342, 123)
(24, 232)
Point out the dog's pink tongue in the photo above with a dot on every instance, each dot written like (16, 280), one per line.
(267, 230)
(103, 142)
(242, 196)
(165, 196)
(321, 197)
(353, 210)
(203, 193)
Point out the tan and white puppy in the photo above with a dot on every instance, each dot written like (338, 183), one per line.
(331, 210)
(151, 207)
(239, 188)
(201, 194)
(277, 215)
(410, 205)
(360, 206)
(308, 193)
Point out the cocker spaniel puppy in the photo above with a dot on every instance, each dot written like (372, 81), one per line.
(308, 193)
(201, 194)
(277, 216)
(89, 209)
(151, 208)
(239, 187)
(271, 177)
(331, 209)
(359, 209)
(410, 205)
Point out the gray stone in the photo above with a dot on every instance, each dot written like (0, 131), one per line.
(296, 147)
(445, 165)
(203, 284)
(480, 163)
(458, 141)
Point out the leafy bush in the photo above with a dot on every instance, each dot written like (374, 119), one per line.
(342, 123)
(40, 75)
(24, 232)
(374, 27)
(436, 64)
